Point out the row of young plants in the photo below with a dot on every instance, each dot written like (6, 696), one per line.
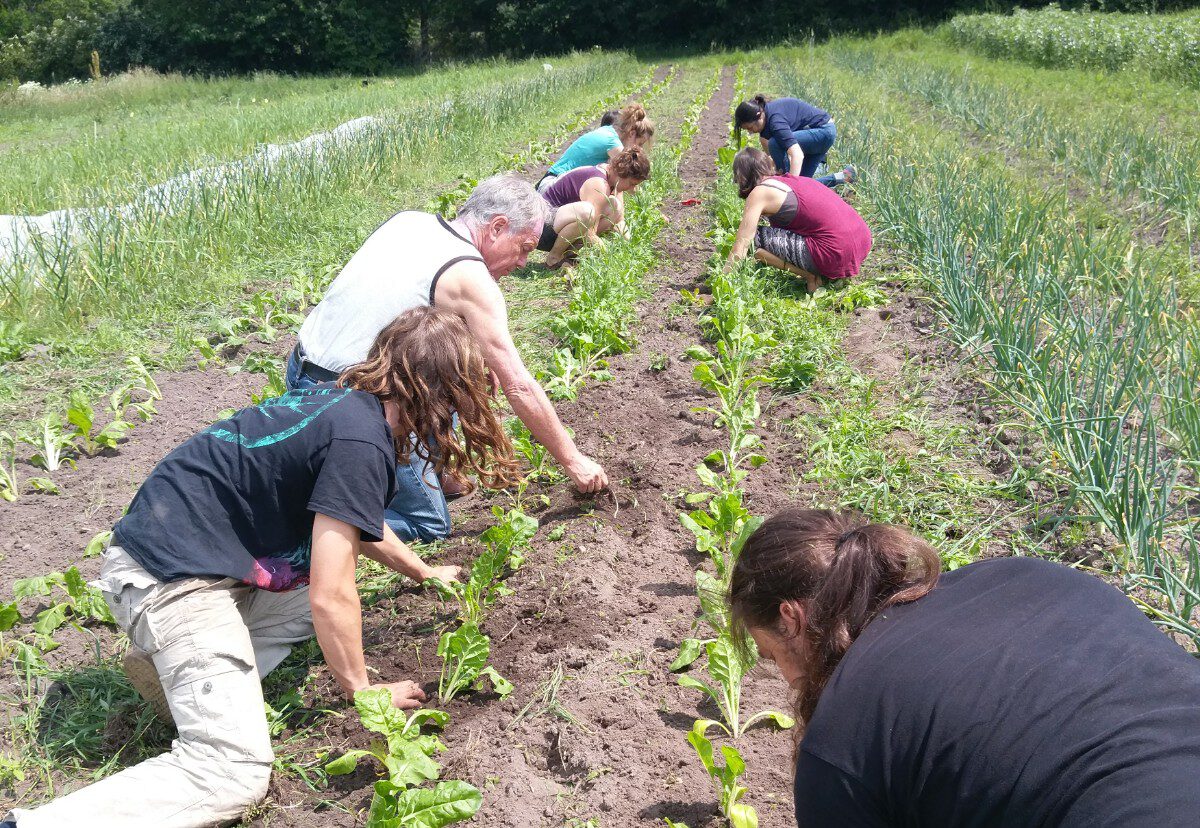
(1078, 334)
(721, 522)
(1160, 166)
(609, 278)
(1166, 45)
(403, 798)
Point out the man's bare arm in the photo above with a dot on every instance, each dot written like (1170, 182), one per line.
(474, 296)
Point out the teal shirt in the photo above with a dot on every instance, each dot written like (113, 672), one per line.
(589, 149)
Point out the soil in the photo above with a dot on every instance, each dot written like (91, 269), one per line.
(608, 603)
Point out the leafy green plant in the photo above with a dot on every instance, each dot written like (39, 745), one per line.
(88, 437)
(407, 757)
(725, 774)
(510, 536)
(76, 603)
(9, 487)
(541, 463)
(727, 667)
(51, 444)
(721, 529)
(13, 340)
(567, 373)
(464, 653)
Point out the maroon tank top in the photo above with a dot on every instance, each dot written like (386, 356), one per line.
(836, 236)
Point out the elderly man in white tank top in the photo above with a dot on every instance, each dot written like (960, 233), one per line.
(418, 259)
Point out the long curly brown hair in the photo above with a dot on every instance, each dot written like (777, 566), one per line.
(427, 363)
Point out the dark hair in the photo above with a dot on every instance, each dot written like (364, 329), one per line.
(429, 365)
(750, 166)
(842, 569)
(609, 118)
(631, 163)
(633, 126)
(748, 112)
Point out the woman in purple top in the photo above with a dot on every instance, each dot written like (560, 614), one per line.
(590, 201)
(812, 232)
(796, 134)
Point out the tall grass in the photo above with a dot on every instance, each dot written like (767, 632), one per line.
(117, 255)
(1074, 326)
(1142, 157)
(1166, 45)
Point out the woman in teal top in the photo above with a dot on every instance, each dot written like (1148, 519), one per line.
(631, 129)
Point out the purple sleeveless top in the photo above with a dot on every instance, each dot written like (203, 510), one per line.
(566, 189)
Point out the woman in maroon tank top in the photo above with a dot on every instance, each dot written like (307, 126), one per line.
(812, 232)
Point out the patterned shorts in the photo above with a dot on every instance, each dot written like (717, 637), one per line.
(786, 245)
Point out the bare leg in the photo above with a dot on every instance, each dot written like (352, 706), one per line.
(811, 280)
(571, 222)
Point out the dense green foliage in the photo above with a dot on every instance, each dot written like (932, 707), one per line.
(54, 41)
(1168, 46)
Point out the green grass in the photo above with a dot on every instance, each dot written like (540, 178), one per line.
(179, 275)
(104, 143)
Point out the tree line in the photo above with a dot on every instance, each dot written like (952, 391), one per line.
(53, 40)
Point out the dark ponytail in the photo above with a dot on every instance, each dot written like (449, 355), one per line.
(748, 112)
(842, 569)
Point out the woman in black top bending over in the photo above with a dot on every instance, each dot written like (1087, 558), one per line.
(1010, 692)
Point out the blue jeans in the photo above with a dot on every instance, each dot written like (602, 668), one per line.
(419, 511)
(814, 143)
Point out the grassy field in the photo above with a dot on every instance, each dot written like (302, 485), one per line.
(1015, 372)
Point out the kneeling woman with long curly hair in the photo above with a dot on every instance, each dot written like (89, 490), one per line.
(243, 541)
(1009, 692)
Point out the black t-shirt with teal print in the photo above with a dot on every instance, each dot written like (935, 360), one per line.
(237, 500)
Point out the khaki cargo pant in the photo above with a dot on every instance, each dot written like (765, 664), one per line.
(211, 640)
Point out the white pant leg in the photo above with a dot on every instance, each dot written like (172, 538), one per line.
(220, 764)
(276, 621)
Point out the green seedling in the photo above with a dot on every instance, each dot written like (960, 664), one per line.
(481, 588)
(726, 775)
(407, 757)
(9, 486)
(464, 653)
(541, 462)
(76, 603)
(88, 437)
(721, 529)
(727, 668)
(44, 485)
(98, 543)
(510, 536)
(52, 445)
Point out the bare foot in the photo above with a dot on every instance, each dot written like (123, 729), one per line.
(453, 485)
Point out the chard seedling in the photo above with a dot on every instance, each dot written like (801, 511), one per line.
(721, 530)
(9, 487)
(725, 775)
(407, 757)
(52, 445)
(88, 438)
(464, 653)
(510, 536)
(727, 668)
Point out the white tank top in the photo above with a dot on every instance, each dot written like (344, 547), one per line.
(396, 269)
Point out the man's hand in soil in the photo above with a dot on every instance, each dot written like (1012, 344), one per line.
(587, 474)
(445, 574)
(406, 695)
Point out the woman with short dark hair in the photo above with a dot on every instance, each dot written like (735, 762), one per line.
(811, 231)
(796, 134)
(1010, 692)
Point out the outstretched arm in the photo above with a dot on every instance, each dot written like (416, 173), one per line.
(337, 611)
(397, 556)
(751, 213)
(468, 291)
